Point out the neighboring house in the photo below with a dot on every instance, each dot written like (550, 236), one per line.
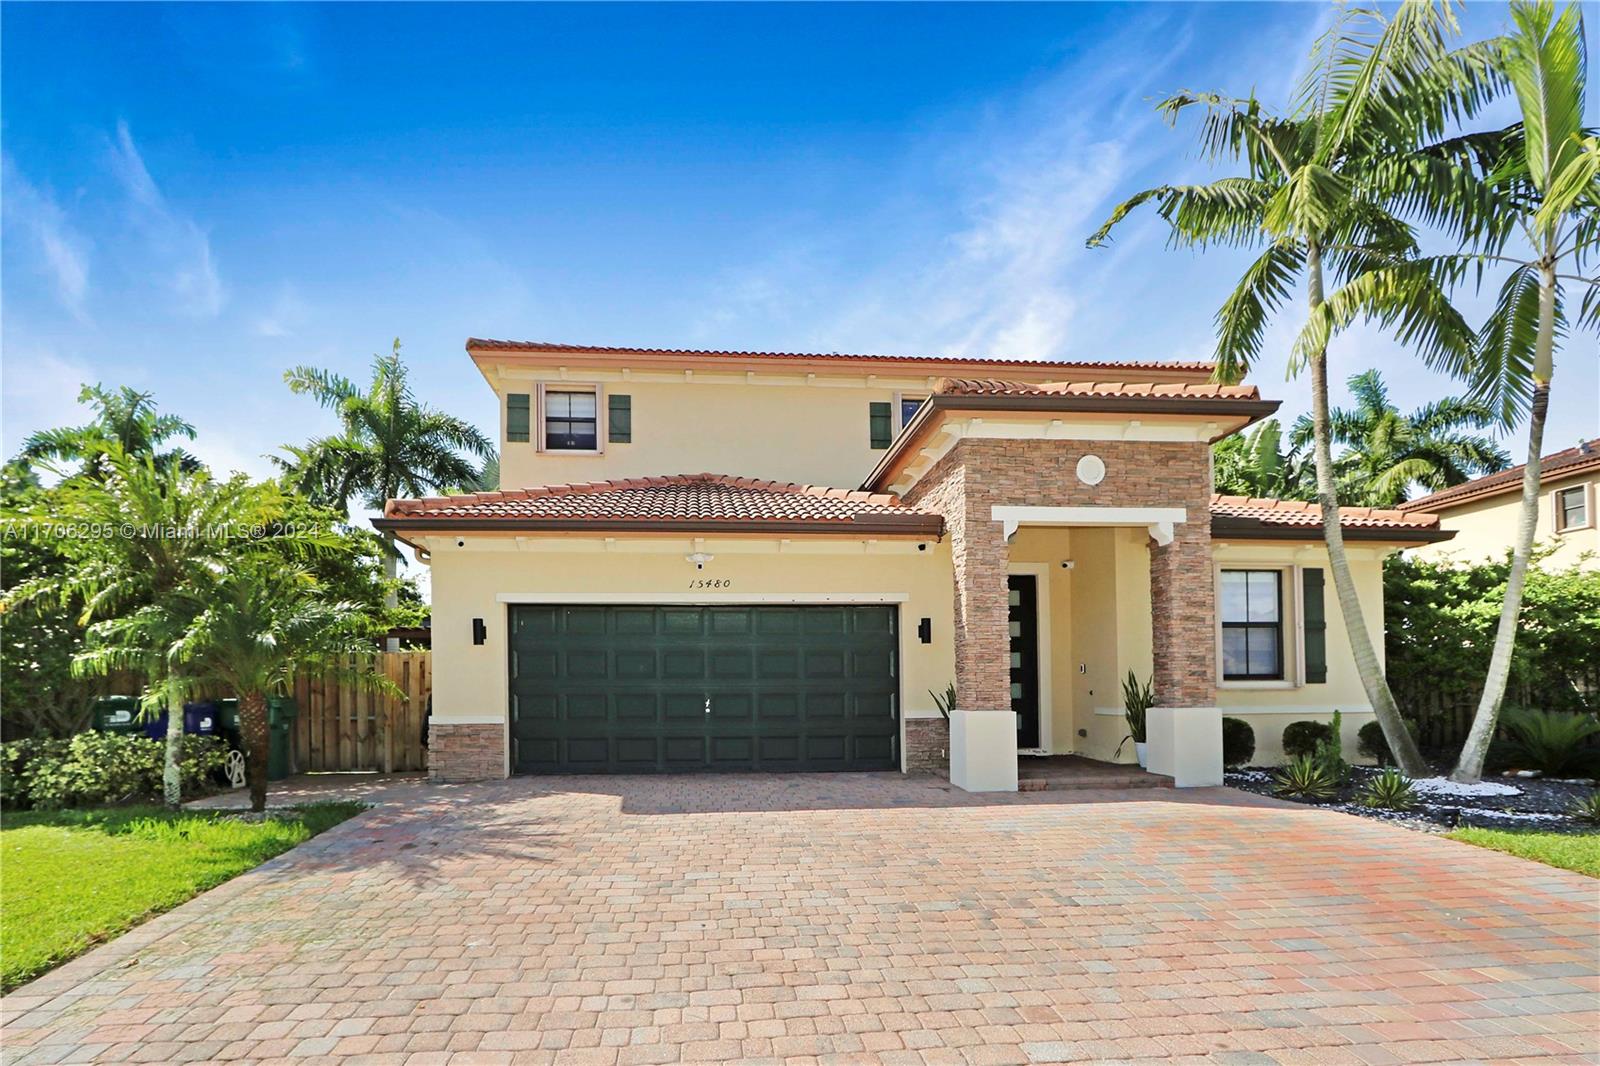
(873, 529)
(1484, 513)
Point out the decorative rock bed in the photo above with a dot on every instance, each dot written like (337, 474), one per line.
(1494, 803)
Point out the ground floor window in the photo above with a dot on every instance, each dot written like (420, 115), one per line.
(1252, 625)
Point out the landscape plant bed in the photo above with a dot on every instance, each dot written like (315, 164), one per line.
(1497, 803)
(75, 878)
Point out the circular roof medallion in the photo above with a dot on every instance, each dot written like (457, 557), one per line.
(1091, 470)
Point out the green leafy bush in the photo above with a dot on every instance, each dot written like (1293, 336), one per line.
(1587, 809)
(1305, 778)
(1373, 744)
(1302, 738)
(1330, 749)
(1238, 742)
(1552, 742)
(1389, 791)
(94, 769)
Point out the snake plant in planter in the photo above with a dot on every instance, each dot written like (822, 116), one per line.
(1137, 696)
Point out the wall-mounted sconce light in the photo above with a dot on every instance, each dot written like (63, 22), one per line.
(480, 632)
(925, 631)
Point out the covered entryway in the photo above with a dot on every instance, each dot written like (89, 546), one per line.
(684, 688)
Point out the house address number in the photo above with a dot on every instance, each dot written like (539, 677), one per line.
(710, 583)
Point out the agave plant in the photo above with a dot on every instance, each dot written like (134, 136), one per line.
(1305, 778)
(1587, 809)
(1389, 791)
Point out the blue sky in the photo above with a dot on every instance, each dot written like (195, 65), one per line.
(198, 197)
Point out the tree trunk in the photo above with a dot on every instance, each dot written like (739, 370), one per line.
(1401, 743)
(1469, 767)
(391, 570)
(253, 728)
(171, 776)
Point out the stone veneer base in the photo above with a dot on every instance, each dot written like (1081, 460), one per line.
(466, 752)
(928, 746)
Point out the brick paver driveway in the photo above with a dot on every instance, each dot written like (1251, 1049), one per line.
(861, 917)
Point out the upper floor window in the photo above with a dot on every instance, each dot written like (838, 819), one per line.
(1252, 625)
(909, 405)
(1572, 507)
(571, 419)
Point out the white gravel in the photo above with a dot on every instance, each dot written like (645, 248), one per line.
(1443, 786)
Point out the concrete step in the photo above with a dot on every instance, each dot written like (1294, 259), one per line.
(1102, 781)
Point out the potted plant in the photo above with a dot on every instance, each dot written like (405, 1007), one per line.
(1137, 697)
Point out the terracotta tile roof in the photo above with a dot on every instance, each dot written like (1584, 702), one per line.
(486, 345)
(1117, 389)
(1577, 460)
(1242, 514)
(683, 500)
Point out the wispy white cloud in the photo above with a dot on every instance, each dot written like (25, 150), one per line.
(45, 395)
(285, 316)
(178, 244)
(62, 253)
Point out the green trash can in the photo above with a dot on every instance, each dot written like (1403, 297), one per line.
(281, 713)
(118, 714)
(228, 723)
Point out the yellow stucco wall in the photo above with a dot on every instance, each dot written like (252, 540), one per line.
(470, 681)
(717, 423)
(1487, 529)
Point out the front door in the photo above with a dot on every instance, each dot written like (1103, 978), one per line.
(1024, 618)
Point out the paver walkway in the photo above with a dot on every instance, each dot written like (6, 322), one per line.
(848, 918)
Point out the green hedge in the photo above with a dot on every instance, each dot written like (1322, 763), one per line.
(1439, 626)
(95, 769)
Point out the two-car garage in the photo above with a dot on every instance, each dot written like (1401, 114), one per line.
(619, 688)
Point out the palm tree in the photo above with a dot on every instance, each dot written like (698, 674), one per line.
(148, 535)
(1319, 195)
(389, 445)
(1544, 174)
(1254, 464)
(252, 625)
(1386, 452)
(126, 418)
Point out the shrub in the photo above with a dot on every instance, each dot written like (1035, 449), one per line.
(1373, 744)
(1549, 741)
(1389, 791)
(1305, 778)
(1302, 738)
(1587, 809)
(93, 769)
(1238, 742)
(1330, 749)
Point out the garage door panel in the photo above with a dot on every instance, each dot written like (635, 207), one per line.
(644, 689)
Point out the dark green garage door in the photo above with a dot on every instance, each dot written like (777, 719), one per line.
(659, 689)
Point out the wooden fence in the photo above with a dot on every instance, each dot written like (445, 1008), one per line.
(343, 726)
(1441, 713)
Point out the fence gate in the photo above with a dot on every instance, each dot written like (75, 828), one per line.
(344, 726)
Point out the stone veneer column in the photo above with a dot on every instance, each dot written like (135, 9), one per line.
(461, 751)
(1184, 728)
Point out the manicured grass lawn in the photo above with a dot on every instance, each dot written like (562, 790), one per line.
(71, 879)
(1580, 852)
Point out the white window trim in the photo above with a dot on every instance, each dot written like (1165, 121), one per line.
(600, 427)
(1040, 572)
(1293, 625)
(1588, 507)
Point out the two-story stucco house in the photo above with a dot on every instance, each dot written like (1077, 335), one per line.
(1484, 513)
(709, 560)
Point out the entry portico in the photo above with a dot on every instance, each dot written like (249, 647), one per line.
(996, 459)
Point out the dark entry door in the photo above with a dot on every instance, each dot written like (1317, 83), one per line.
(644, 689)
(1023, 592)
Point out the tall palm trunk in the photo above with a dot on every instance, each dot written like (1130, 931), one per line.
(253, 729)
(1395, 732)
(171, 774)
(391, 570)
(1469, 767)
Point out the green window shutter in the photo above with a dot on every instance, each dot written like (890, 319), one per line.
(1316, 626)
(517, 416)
(619, 419)
(881, 422)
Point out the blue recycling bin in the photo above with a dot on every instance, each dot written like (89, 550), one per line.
(155, 726)
(201, 719)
